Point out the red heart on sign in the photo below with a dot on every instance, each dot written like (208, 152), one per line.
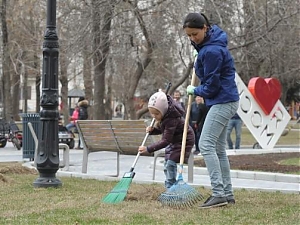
(266, 92)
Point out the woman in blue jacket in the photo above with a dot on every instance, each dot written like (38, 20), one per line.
(215, 68)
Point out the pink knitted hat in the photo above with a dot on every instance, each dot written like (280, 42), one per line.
(159, 101)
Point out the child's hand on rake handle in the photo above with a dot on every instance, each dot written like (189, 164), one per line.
(142, 149)
(149, 129)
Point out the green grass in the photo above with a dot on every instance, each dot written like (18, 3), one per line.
(78, 201)
(292, 138)
(291, 162)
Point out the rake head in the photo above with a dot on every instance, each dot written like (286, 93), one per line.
(119, 192)
(180, 195)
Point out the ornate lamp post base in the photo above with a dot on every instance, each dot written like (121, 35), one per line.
(44, 182)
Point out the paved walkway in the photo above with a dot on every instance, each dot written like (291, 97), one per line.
(103, 164)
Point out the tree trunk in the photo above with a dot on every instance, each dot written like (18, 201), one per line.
(87, 78)
(6, 83)
(64, 86)
(16, 91)
(36, 66)
(101, 31)
(25, 92)
(108, 102)
(141, 65)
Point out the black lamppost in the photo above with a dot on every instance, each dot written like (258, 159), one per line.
(48, 152)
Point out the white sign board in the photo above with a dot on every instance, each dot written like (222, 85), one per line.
(266, 129)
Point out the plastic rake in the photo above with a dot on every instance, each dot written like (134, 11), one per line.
(119, 192)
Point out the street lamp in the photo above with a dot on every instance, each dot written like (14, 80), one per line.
(48, 152)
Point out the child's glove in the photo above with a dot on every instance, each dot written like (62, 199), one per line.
(190, 90)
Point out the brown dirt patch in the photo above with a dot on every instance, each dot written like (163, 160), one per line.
(13, 168)
(269, 162)
(148, 192)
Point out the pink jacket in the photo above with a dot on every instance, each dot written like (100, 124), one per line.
(75, 115)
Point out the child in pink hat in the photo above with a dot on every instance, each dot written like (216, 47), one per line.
(170, 124)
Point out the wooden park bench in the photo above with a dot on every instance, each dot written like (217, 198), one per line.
(120, 136)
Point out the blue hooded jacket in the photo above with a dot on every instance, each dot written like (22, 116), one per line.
(215, 69)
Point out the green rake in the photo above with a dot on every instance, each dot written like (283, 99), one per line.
(119, 192)
(181, 194)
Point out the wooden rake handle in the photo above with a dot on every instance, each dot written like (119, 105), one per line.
(187, 118)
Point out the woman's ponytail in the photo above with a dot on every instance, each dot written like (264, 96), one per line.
(206, 19)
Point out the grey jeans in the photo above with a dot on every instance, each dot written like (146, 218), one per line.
(170, 170)
(212, 146)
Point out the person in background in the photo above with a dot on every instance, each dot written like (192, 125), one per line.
(73, 119)
(177, 98)
(215, 69)
(197, 117)
(234, 123)
(169, 122)
(82, 114)
(83, 105)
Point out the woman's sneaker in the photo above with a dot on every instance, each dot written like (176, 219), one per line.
(213, 201)
(231, 201)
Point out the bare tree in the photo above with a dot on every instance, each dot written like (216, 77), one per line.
(6, 84)
(101, 44)
(125, 50)
(87, 75)
(63, 78)
(269, 47)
